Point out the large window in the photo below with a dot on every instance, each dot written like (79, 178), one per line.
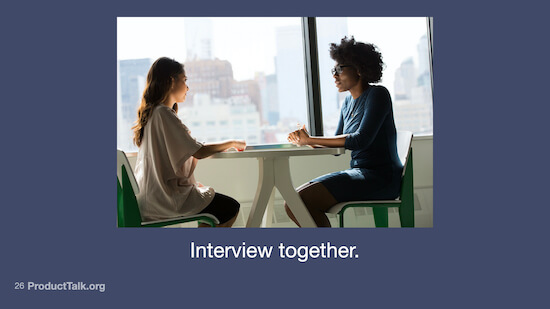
(403, 43)
(247, 78)
(246, 75)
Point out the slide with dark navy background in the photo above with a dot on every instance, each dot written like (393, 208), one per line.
(61, 247)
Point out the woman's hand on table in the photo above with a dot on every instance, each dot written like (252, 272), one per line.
(299, 137)
(239, 145)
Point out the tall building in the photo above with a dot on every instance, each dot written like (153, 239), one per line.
(132, 78)
(423, 56)
(213, 77)
(405, 79)
(133, 75)
(249, 89)
(119, 125)
(217, 106)
(412, 98)
(198, 38)
(423, 66)
(289, 67)
(268, 94)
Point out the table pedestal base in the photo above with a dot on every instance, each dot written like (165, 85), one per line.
(268, 180)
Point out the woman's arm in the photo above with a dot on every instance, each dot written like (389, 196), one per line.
(301, 137)
(333, 142)
(209, 149)
(377, 107)
(330, 141)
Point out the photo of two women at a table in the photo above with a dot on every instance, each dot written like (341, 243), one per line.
(168, 154)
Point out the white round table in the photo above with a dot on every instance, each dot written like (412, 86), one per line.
(274, 171)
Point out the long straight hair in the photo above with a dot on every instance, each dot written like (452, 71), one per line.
(157, 89)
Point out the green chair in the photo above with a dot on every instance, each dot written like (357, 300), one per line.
(127, 207)
(405, 201)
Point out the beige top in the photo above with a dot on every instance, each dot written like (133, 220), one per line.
(164, 169)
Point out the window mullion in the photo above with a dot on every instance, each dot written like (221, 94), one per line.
(313, 88)
(431, 52)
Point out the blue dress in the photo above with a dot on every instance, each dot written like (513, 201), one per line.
(375, 168)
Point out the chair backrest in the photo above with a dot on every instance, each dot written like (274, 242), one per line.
(119, 204)
(404, 149)
(128, 210)
(404, 142)
(122, 160)
(127, 207)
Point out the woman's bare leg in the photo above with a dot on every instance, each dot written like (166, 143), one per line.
(287, 209)
(317, 200)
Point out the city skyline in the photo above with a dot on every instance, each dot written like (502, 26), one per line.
(279, 102)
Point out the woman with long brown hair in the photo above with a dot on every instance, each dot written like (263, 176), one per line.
(168, 154)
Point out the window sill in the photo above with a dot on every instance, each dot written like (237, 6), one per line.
(426, 137)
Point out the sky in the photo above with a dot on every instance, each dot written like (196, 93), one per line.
(252, 41)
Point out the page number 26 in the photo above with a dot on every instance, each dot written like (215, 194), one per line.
(20, 285)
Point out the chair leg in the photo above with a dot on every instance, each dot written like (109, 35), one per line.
(380, 216)
(341, 217)
(406, 209)
(406, 214)
(207, 221)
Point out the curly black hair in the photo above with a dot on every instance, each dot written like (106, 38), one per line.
(365, 57)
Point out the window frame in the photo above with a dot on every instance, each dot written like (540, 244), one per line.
(313, 84)
(311, 61)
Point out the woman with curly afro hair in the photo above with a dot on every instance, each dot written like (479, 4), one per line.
(366, 127)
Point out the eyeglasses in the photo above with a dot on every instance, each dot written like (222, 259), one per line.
(337, 70)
